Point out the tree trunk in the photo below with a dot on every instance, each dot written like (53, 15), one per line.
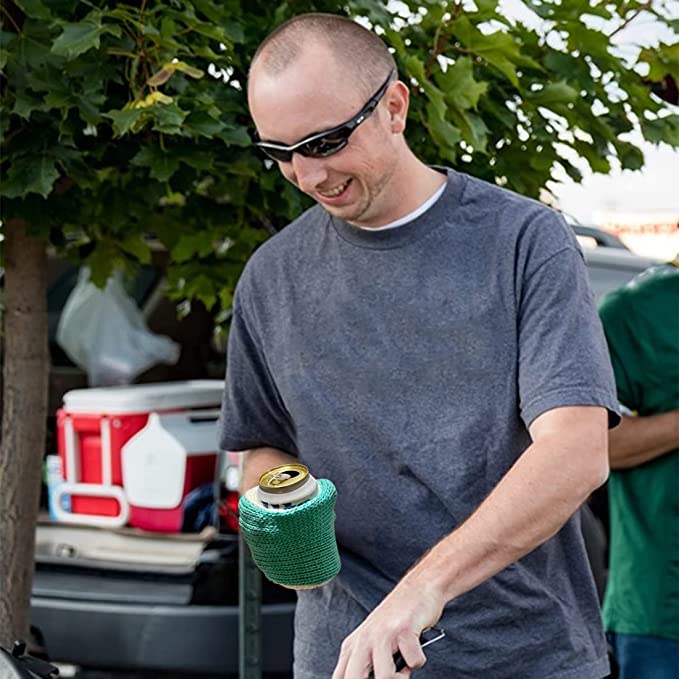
(25, 382)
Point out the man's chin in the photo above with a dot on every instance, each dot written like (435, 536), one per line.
(347, 213)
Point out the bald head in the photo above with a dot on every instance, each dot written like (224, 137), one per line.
(357, 52)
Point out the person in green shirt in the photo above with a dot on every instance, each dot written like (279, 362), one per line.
(641, 605)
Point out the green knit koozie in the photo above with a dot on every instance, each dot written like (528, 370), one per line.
(295, 548)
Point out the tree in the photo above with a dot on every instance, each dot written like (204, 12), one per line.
(126, 122)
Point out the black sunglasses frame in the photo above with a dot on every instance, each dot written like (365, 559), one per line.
(317, 145)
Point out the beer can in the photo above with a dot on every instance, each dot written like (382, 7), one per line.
(286, 486)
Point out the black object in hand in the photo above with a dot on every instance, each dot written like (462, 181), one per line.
(429, 636)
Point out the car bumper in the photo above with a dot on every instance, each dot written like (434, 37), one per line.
(192, 639)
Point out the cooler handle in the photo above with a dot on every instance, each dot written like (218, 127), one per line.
(91, 490)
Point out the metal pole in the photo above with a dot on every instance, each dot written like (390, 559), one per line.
(250, 600)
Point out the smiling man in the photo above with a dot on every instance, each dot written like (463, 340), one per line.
(429, 343)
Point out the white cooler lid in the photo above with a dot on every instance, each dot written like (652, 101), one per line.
(143, 398)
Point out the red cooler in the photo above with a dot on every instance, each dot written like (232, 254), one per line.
(95, 424)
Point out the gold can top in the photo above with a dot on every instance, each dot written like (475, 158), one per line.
(284, 478)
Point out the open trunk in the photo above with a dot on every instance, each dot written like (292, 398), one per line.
(133, 600)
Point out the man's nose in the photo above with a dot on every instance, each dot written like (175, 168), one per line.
(309, 172)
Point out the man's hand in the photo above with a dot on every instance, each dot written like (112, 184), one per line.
(260, 460)
(395, 625)
(640, 439)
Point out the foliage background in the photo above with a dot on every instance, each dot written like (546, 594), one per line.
(125, 123)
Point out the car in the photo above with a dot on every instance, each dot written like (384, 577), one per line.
(128, 600)
(611, 268)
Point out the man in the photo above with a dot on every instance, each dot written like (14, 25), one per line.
(429, 343)
(641, 608)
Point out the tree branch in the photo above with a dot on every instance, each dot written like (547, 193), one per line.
(630, 19)
(440, 44)
(7, 13)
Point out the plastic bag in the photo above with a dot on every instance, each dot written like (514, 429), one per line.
(103, 332)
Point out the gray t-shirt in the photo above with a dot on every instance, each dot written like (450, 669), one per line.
(406, 365)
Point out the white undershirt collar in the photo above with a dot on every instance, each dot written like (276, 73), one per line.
(411, 215)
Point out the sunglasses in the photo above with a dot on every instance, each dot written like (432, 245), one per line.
(323, 144)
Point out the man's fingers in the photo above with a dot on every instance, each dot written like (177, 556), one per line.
(340, 669)
(358, 665)
(383, 662)
(413, 655)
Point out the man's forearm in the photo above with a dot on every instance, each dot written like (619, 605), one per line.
(259, 460)
(637, 440)
(529, 505)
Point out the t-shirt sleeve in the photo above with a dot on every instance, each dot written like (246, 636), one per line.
(563, 360)
(616, 314)
(253, 414)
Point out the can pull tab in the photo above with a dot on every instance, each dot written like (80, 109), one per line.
(428, 636)
(278, 478)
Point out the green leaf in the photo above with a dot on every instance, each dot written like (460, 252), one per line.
(167, 28)
(169, 118)
(203, 124)
(162, 164)
(194, 156)
(212, 31)
(77, 39)
(499, 48)
(631, 157)
(160, 77)
(137, 246)
(165, 73)
(235, 135)
(571, 170)
(503, 114)
(59, 99)
(393, 38)
(458, 83)
(26, 102)
(34, 9)
(189, 70)
(215, 14)
(588, 41)
(553, 93)
(597, 161)
(415, 68)
(376, 12)
(30, 174)
(101, 262)
(6, 44)
(124, 121)
(662, 60)
(474, 130)
(444, 135)
(664, 129)
(150, 29)
(192, 245)
(542, 161)
(203, 289)
(234, 32)
(487, 8)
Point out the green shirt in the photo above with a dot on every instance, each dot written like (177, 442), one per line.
(641, 321)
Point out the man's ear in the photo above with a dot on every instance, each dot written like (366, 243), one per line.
(398, 99)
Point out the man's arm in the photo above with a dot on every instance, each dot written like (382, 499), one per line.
(259, 460)
(565, 463)
(641, 439)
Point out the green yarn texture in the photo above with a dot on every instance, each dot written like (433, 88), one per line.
(295, 547)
